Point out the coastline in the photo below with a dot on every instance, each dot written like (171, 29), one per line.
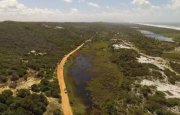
(160, 26)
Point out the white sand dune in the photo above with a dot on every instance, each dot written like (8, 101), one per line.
(164, 87)
(157, 61)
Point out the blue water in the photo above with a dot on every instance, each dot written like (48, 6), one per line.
(79, 71)
(156, 36)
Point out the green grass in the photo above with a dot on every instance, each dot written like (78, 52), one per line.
(175, 66)
(172, 55)
(106, 76)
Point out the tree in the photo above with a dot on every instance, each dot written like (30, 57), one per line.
(3, 79)
(40, 74)
(3, 107)
(57, 112)
(35, 88)
(7, 93)
(18, 111)
(55, 93)
(23, 93)
(14, 77)
(38, 111)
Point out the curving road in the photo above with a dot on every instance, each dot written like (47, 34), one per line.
(66, 107)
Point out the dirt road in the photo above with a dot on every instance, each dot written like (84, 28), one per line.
(66, 107)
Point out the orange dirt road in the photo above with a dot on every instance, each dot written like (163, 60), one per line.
(66, 107)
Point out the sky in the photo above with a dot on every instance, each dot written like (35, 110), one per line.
(91, 10)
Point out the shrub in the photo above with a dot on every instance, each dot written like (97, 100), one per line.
(127, 63)
(3, 107)
(57, 112)
(152, 106)
(145, 91)
(3, 79)
(40, 74)
(35, 88)
(14, 77)
(173, 102)
(23, 93)
(172, 77)
(13, 85)
(55, 93)
(7, 93)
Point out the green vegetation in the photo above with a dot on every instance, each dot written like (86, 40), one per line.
(23, 93)
(166, 32)
(172, 77)
(107, 78)
(22, 104)
(52, 88)
(57, 112)
(127, 62)
(144, 44)
(33, 46)
(172, 55)
(175, 66)
(157, 103)
(114, 87)
(19, 39)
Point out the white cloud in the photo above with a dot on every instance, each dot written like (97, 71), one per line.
(68, 0)
(108, 7)
(93, 4)
(81, 1)
(142, 3)
(175, 4)
(74, 10)
(10, 5)
(14, 10)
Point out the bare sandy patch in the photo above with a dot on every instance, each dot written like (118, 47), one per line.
(157, 61)
(59, 27)
(174, 90)
(122, 45)
(52, 106)
(26, 84)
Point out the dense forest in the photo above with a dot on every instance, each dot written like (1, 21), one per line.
(34, 45)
